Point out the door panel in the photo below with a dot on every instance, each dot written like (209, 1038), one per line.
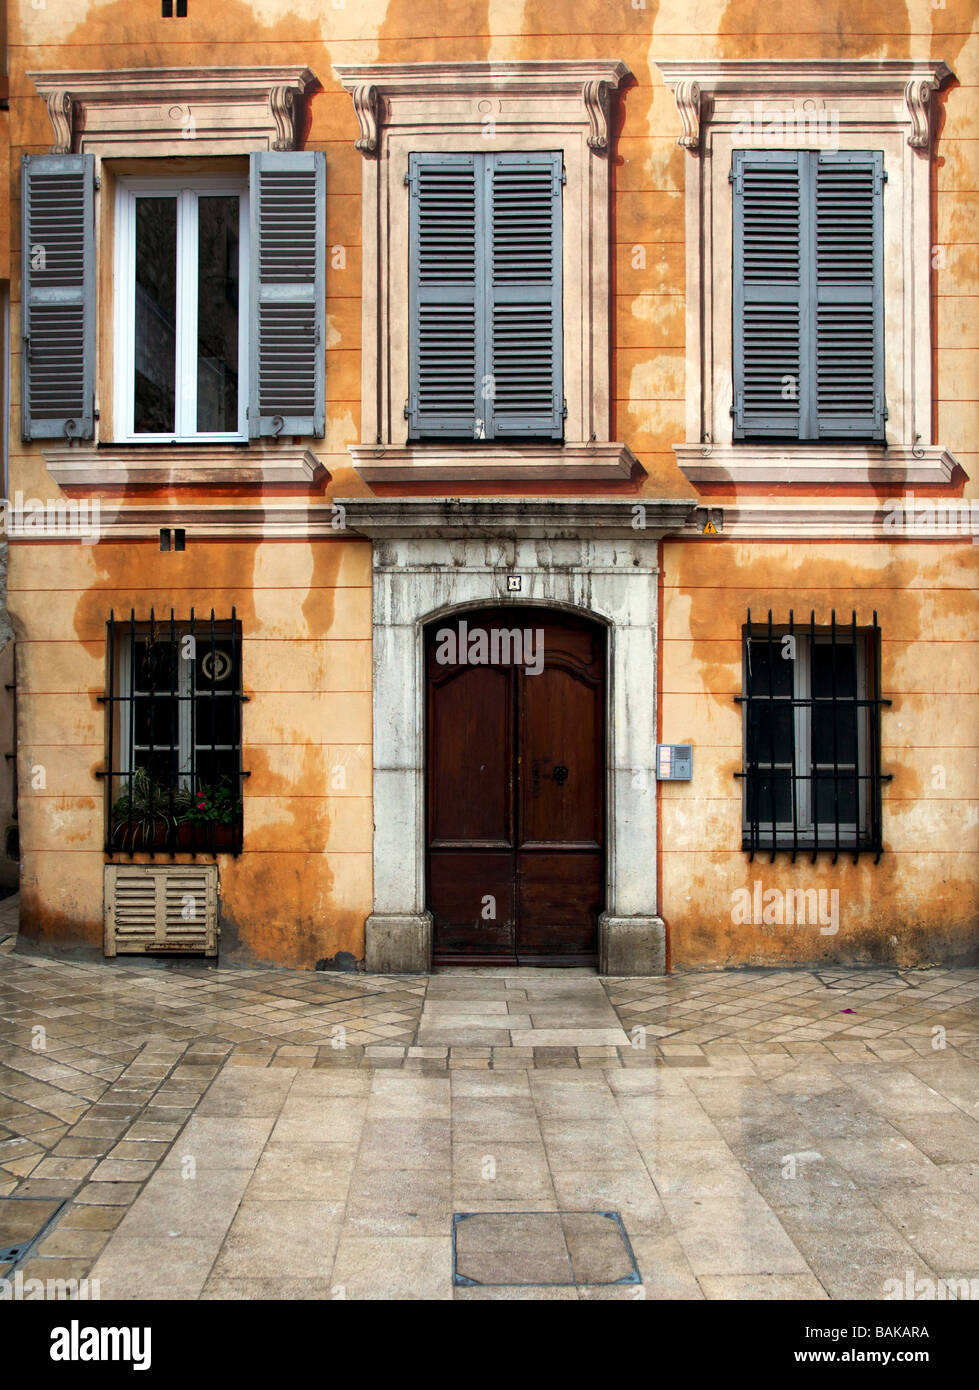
(515, 781)
(471, 896)
(470, 742)
(559, 897)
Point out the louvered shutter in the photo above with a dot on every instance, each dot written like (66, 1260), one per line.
(287, 210)
(155, 908)
(447, 308)
(849, 294)
(58, 296)
(772, 329)
(526, 338)
(808, 294)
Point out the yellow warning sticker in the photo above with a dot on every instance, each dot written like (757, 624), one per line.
(710, 529)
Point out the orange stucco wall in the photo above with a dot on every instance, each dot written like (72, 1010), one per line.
(301, 890)
(919, 903)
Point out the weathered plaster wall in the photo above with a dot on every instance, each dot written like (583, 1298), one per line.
(919, 903)
(301, 891)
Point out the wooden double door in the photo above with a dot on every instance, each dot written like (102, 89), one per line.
(515, 786)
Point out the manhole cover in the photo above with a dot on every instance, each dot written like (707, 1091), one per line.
(541, 1247)
(22, 1220)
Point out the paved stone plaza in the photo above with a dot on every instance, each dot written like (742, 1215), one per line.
(280, 1134)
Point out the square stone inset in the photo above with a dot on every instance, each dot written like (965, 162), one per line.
(541, 1248)
(22, 1221)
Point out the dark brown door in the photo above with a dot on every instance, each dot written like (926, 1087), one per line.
(515, 778)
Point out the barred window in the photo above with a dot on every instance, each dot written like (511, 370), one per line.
(173, 735)
(811, 777)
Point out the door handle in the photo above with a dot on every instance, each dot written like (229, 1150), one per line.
(560, 775)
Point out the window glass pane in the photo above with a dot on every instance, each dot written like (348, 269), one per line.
(217, 315)
(155, 327)
(844, 804)
(758, 667)
(218, 770)
(155, 667)
(760, 791)
(155, 722)
(824, 717)
(161, 765)
(770, 725)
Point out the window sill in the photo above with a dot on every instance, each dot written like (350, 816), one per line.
(814, 464)
(379, 463)
(154, 465)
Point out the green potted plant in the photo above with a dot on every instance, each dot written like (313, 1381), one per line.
(212, 811)
(146, 812)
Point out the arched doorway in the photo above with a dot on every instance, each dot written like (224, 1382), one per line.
(515, 827)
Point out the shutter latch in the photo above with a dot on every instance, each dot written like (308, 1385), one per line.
(564, 408)
(409, 407)
(479, 428)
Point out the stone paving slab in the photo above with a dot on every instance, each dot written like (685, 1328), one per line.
(264, 1134)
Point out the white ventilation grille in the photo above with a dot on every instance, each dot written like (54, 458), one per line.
(166, 908)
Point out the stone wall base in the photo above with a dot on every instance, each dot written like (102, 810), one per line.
(631, 945)
(398, 945)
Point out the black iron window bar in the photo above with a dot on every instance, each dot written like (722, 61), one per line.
(768, 771)
(171, 809)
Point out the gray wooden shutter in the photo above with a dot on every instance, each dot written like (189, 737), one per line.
(525, 395)
(808, 294)
(58, 296)
(849, 294)
(772, 328)
(287, 211)
(447, 309)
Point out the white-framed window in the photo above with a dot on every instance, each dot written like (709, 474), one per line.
(180, 361)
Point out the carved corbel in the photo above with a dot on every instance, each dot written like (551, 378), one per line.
(365, 100)
(61, 114)
(282, 103)
(687, 96)
(917, 94)
(597, 96)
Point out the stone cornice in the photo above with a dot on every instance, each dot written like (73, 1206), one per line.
(947, 520)
(572, 92)
(487, 518)
(839, 521)
(171, 110)
(181, 465)
(813, 464)
(377, 463)
(702, 86)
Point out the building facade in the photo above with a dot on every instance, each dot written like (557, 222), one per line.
(493, 485)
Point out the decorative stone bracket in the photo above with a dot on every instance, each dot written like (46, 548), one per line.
(421, 95)
(175, 110)
(900, 89)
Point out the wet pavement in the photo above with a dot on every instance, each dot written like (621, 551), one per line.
(217, 1133)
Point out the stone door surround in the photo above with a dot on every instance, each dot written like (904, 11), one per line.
(435, 557)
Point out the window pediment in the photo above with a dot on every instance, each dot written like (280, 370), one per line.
(175, 111)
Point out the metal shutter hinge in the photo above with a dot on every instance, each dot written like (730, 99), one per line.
(98, 182)
(564, 409)
(409, 407)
